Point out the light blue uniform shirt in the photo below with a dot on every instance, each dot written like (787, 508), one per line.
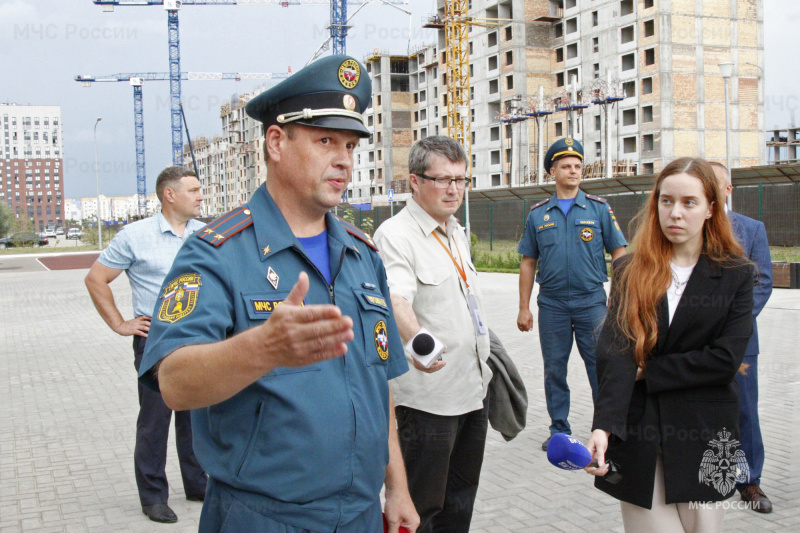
(145, 250)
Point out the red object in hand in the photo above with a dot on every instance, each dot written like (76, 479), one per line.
(386, 527)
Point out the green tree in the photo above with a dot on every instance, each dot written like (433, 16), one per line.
(6, 219)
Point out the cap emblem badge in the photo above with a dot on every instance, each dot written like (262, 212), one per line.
(349, 102)
(349, 73)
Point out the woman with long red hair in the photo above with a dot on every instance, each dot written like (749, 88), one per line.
(678, 323)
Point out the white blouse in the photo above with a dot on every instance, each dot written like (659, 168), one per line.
(680, 277)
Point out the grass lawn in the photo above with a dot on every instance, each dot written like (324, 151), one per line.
(48, 249)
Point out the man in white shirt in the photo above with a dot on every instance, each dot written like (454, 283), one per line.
(442, 411)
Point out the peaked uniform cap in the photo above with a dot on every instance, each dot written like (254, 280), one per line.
(566, 147)
(332, 92)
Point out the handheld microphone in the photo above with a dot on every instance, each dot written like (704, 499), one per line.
(425, 348)
(568, 453)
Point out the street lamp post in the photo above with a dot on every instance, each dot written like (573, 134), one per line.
(97, 182)
(726, 69)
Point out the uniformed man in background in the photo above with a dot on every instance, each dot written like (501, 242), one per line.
(275, 327)
(565, 236)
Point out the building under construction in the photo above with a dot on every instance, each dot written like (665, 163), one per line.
(637, 81)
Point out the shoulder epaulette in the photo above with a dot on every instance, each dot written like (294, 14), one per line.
(596, 198)
(540, 204)
(223, 228)
(356, 232)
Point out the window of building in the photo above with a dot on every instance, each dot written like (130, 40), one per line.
(650, 56)
(471, 71)
(494, 157)
(494, 86)
(597, 123)
(629, 145)
(471, 50)
(559, 129)
(647, 85)
(629, 117)
(648, 142)
(423, 115)
(595, 18)
(648, 168)
(648, 4)
(493, 63)
(629, 89)
(379, 116)
(422, 96)
(569, 4)
(626, 7)
(509, 33)
(496, 180)
(422, 77)
(558, 30)
(494, 133)
(647, 113)
(423, 133)
(510, 57)
(472, 137)
(649, 28)
(596, 70)
(596, 44)
(572, 51)
(492, 39)
(626, 34)
(560, 79)
(572, 75)
(572, 25)
(559, 55)
(472, 92)
(379, 99)
(598, 149)
(509, 82)
(416, 116)
(628, 61)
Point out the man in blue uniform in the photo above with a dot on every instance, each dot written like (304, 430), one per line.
(566, 236)
(752, 235)
(275, 327)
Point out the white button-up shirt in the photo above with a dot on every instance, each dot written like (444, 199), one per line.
(420, 270)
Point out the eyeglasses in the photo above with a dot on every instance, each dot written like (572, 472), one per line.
(444, 183)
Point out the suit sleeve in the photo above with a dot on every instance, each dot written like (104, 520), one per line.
(717, 362)
(761, 257)
(616, 370)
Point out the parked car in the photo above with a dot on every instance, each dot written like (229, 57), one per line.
(60, 230)
(49, 233)
(27, 238)
(74, 233)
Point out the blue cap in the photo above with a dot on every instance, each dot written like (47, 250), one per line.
(566, 147)
(331, 92)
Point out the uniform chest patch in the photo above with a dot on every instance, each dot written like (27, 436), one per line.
(381, 340)
(179, 298)
(587, 234)
(262, 307)
(546, 226)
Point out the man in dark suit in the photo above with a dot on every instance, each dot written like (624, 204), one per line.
(752, 235)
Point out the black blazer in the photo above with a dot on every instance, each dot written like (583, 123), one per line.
(686, 406)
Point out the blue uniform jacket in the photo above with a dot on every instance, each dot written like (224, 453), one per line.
(311, 441)
(569, 247)
(752, 235)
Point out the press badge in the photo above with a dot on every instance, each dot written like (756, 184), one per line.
(475, 312)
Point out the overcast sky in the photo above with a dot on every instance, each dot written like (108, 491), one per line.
(46, 43)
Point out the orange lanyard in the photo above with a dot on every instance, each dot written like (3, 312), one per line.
(460, 268)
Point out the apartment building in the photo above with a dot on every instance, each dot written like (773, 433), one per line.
(31, 164)
(112, 207)
(663, 56)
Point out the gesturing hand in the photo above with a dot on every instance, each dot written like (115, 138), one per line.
(297, 335)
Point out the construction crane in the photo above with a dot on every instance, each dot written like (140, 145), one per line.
(338, 29)
(136, 80)
(456, 23)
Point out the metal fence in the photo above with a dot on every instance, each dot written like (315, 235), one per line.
(778, 206)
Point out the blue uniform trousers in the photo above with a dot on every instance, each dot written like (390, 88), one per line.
(229, 510)
(559, 320)
(150, 453)
(749, 426)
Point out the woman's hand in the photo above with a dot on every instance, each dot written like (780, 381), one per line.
(598, 444)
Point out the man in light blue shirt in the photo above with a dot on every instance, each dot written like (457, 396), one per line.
(145, 251)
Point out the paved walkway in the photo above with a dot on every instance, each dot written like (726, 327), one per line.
(68, 413)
